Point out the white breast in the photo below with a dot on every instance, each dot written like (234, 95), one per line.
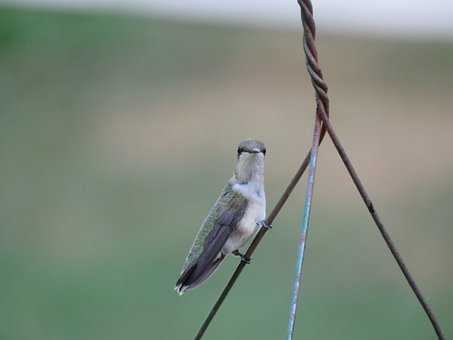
(247, 226)
(253, 214)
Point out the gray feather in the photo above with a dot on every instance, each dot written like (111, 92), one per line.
(221, 221)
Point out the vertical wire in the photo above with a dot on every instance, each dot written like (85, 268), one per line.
(296, 289)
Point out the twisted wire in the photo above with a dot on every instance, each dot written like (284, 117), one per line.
(323, 109)
(322, 105)
(320, 87)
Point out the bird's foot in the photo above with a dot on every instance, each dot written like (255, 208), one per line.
(264, 224)
(245, 259)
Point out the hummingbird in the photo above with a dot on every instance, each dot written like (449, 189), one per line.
(233, 219)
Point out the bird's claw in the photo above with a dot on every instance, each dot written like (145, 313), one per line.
(264, 224)
(245, 259)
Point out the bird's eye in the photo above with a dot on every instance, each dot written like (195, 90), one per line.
(240, 150)
(264, 152)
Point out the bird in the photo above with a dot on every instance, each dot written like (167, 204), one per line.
(234, 218)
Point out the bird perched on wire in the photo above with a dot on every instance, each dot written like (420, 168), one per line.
(236, 215)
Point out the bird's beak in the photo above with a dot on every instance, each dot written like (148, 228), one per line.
(256, 150)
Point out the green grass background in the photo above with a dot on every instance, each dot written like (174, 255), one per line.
(117, 133)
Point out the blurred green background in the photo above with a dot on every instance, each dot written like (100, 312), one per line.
(117, 133)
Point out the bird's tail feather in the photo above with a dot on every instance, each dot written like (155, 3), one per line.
(195, 276)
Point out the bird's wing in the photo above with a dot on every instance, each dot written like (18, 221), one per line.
(223, 217)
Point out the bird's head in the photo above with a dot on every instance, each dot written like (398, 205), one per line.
(250, 160)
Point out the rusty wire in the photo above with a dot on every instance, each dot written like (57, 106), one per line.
(322, 105)
(322, 100)
(321, 92)
(377, 220)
